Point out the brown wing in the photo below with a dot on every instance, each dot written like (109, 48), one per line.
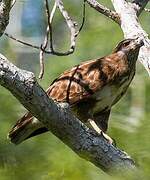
(78, 83)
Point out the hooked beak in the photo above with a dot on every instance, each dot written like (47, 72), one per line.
(139, 42)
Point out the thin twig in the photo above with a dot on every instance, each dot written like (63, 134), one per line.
(48, 30)
(36, 47)
(41, 55)
(21, 41)
(44, 45)
(139, 5)
(104, 10)
(13, 3)
(49, 24)
(83, 18)
(53, 12)
(147, 10)
(71, 26)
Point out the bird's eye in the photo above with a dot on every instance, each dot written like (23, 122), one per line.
(126, 43)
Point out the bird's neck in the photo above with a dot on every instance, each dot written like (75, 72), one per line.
(132, 58)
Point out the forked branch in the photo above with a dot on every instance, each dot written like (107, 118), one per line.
(49, 34)
(132, 28)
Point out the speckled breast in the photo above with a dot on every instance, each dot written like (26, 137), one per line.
(111, 93)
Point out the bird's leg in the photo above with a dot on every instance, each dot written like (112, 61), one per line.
(99, 131)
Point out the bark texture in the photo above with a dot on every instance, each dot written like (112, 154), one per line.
(5, 6)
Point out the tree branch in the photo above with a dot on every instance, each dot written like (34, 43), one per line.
(126, 15)
(73, 34)
(71, 25)
(140, 5)
(5, 6)
(47, 34)
(104, 10)
(132, 28)
(147, 10)
(60, 121)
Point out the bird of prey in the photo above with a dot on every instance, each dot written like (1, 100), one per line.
(91, 89)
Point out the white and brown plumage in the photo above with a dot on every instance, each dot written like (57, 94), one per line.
(91, 89)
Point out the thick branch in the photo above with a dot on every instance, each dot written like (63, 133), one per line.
(60, 121)
(104, 10)
(132, 28)
(5, 6)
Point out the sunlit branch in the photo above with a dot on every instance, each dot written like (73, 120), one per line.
(13, 3)
(132, 28)
(71, 25)
(140, 5)
(104, 10)
(83, 18)
(147, 10)
(48, 32)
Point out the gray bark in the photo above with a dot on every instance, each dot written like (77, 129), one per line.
(5, 6)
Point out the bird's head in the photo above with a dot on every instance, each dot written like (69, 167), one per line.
(130, 47)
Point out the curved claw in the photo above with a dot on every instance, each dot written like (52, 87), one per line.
(109, 139)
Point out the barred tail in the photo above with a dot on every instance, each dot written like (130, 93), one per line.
(28, 126)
